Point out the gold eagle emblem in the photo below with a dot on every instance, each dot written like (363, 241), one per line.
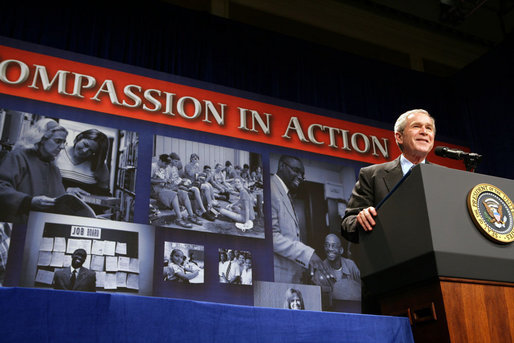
(491, 207)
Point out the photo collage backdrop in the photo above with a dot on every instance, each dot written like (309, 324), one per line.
(132, 193)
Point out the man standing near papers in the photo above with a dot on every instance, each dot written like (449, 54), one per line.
(414, 132)
(76, 277)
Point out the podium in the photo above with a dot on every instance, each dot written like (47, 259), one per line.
(427, 260)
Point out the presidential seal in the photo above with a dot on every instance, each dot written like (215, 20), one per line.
(492, 212)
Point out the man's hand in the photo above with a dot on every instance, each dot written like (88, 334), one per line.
(77, 191)
(316, 264)
(365, 218)
(325, 284)
(42, 202)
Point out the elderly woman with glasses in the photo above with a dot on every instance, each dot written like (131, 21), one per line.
(29, 178)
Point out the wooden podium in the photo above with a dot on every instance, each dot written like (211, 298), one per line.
(427, 260)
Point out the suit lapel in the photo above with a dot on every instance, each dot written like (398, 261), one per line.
(393, 174)
(67, 275)
(80, 277)
(67, 272)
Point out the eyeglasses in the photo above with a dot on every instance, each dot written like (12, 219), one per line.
(296, 170)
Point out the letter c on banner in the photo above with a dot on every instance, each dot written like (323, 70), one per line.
(310, 133)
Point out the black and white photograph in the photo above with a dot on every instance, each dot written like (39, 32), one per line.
(235, 267)
(90, 255)
(183, 263)
(5, 242)
(308, 199)
(287, 296)
(66, 167)
(208, 188)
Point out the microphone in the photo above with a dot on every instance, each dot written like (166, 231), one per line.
(455, 154)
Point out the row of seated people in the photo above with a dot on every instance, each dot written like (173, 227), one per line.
(199, 191)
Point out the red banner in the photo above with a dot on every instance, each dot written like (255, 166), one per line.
(65, 82)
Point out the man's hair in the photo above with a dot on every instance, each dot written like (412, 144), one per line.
(174, 156)
(80, 251)
(285, 158)
(399, 126)
(164, 158)
(193, 155)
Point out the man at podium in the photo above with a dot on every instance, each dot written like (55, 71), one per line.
(414, 132)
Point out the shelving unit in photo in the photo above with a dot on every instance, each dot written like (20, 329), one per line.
(126, 177)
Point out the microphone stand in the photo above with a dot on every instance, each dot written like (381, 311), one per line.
(471, 161)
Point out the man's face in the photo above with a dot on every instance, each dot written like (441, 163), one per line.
(175, 163)
(230, 255)
(77, 259)
(237, 184)
(163, 164)
(332, 248)
(292, 173)
(418, 136)
(240, 260)
(248, 264)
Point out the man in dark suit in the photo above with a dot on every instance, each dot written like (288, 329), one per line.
(76, 277)
(414, 132)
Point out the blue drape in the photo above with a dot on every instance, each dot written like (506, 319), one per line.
(36, 315)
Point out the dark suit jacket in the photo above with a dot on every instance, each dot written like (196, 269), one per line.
(374, 183)
(86, 280)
